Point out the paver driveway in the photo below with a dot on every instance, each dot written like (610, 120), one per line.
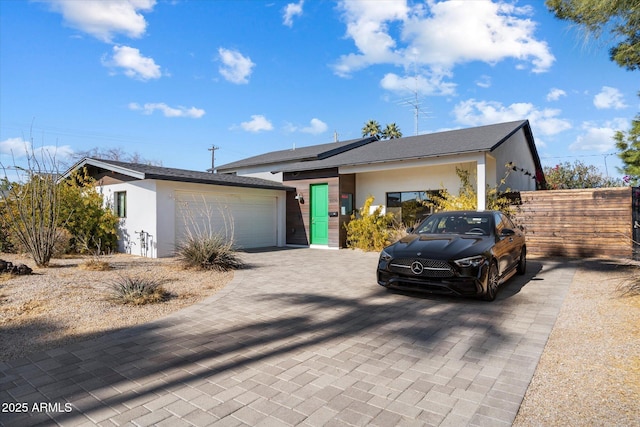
(303, 337)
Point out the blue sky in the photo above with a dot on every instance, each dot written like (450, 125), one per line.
(169, 79)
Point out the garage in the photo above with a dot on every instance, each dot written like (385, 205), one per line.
(250, 218)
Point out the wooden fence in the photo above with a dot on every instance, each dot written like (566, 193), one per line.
(578, 223)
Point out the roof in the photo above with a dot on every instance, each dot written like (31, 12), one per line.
(461, 141)
(143, 171)
(315, 152)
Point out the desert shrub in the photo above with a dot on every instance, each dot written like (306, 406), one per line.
(95, 264)
(370, 231)
(209, 252)
(136, 290)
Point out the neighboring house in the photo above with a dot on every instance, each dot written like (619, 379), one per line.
(159, 206)
(332, 180)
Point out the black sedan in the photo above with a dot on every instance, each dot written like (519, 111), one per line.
(464, 253)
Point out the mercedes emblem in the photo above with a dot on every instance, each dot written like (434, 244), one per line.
(417, 268)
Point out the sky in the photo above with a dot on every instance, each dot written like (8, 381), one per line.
(168, 80)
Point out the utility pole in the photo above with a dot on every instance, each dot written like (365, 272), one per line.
(213, 158)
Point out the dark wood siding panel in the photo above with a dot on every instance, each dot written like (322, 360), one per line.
(347, 185)
(577, 223)
(298, 214)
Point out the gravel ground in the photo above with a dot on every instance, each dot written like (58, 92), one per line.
(65, 302)
(589, 373)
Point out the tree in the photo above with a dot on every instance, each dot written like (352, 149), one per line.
(629, 146)
(392, 131)
(372, 128)
(92, 225)
(577, 175)
(621, 18)
(117, 154)
(32, 207)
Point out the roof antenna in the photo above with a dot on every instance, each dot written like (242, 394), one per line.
(414, 101)
(335, 136)
(213, 158)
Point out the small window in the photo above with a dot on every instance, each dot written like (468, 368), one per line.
(120, 204)
(346, 204)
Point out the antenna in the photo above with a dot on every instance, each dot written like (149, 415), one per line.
(414, 101)
(213, 157)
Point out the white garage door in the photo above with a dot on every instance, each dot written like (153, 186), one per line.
(250, 218)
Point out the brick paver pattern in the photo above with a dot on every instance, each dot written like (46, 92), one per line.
(302, 337)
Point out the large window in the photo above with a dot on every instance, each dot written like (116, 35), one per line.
(120, 204)
(410, 207)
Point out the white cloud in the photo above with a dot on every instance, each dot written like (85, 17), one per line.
(258, 123)
(426, 85)
(555, 94)
(134, 64)
(609, 97)
(20, 148)
(431, 35)
(180, 111)
(484, 82)
(479, 113)
(598, 137)
(103, 19)
(235, 68)
(316, 127)
(291, 10)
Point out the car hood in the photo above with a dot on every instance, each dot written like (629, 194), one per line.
(439, 246)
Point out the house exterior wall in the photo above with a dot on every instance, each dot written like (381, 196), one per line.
(141, 216)
(417, 178)
(516, 150)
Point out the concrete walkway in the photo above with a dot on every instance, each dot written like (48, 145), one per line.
(302, 337)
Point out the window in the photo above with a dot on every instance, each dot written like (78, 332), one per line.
(120, 204)
(346, 204)
(410, 207)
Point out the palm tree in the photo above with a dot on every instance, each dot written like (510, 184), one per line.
(371, 128)
(392, 131)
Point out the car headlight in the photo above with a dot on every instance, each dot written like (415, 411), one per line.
(473, 261)
(384, 256)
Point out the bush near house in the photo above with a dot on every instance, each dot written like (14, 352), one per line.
(370, 231)
(467, 198)
(209, 253)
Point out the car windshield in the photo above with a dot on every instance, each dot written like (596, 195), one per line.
(478, 224)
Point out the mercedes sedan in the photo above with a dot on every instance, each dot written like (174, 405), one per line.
(464, 253)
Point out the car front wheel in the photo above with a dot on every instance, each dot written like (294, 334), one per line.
(492, 283)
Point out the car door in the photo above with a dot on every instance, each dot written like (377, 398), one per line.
(505, 247)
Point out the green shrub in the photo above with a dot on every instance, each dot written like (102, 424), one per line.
(208, 253)
(370, 231)
(136, 291)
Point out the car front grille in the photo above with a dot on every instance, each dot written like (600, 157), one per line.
(430, 267)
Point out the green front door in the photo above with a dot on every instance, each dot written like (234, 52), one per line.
(320, 214)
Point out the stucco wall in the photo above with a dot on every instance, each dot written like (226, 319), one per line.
(421, 178)
(516, 150)
(141, 216)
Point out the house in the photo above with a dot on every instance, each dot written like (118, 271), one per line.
(331, 180)
(159, 206)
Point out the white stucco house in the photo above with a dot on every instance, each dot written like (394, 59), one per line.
(305, 196)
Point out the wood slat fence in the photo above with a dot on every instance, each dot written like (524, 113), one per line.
(578, 223)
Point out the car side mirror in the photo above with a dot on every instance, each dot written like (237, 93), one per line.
(410, 230)
(507, 232)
